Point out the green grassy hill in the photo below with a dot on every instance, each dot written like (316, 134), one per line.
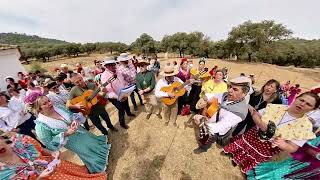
(25, 40)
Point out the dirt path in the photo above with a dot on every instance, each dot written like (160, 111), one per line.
(151, 150)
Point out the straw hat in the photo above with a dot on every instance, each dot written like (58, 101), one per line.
(111, 61)
(123, 57)
(169, 71)
(143, 61)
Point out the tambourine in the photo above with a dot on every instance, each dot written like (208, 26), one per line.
(269, 133)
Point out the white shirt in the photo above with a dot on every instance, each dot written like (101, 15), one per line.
(12, 116)
(227, 120)
(163, 83)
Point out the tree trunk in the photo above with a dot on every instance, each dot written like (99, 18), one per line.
(180, 52)
(249, 56)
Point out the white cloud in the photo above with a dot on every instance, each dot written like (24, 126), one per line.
(120, 20)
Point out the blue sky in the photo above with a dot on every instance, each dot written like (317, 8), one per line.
(121, 20)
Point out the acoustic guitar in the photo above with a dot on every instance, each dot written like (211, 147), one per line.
(178, 89)
(89, 98)
(213, 107)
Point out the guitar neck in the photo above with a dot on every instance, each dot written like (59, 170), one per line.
(95, 93)
(183, 85)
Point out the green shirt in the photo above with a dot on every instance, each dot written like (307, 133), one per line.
(143, 81)
(77, 91)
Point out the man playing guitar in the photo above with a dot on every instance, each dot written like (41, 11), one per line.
(170, 111)
(113, 89)
(97, 110)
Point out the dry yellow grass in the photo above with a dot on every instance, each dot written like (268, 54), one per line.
(150, 150)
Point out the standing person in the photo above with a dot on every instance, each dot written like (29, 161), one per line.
(135, 61)
(98, 67)
(196, 87)
(146, 82)
(23, 81)
(63, 86)
(128, 72)
(57, 127)
(225, 74)
(13, 117)
(32, 88)
(12, 84)
(190, 64)
(213, 71)
(54, 94)
(97, 110)
(285, 88)
(170, 111)
(154, 66)
(216, 85)
(66, 73)
(259, 100)
(293, 92)
(292, 130)
(113, 89)
(185, 75)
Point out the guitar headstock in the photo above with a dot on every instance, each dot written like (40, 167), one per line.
(203, 71)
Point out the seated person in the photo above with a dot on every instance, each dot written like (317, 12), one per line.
(233, 109)
(23, 158)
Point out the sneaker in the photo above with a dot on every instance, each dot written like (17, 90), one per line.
(159, 116)
(199, 150)
(125, 126)
(148, 116)
(135, 109)
(166, 123)
(175, 124)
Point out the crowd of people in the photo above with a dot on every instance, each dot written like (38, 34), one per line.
(40, 114)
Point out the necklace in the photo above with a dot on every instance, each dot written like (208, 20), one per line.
(280, 122)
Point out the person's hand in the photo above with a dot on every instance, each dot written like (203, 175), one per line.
(47, 172)
(251, 109)
(171, 94)
(123, 99)
(75, 124)
(55, 154)
(16, 130)
(254, 112)
(103, 89)
(281, 143)
(141, 92)
(72, 129)
(197, 119)
(78, 106)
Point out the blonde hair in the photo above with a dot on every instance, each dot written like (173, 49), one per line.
(36, 106)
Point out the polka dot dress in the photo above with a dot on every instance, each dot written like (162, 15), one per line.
(248, 150)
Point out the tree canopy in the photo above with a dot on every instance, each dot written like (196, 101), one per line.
(265, 41)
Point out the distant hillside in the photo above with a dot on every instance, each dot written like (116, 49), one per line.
(25, 40)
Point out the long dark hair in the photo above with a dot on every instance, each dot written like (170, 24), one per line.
(274, 95)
